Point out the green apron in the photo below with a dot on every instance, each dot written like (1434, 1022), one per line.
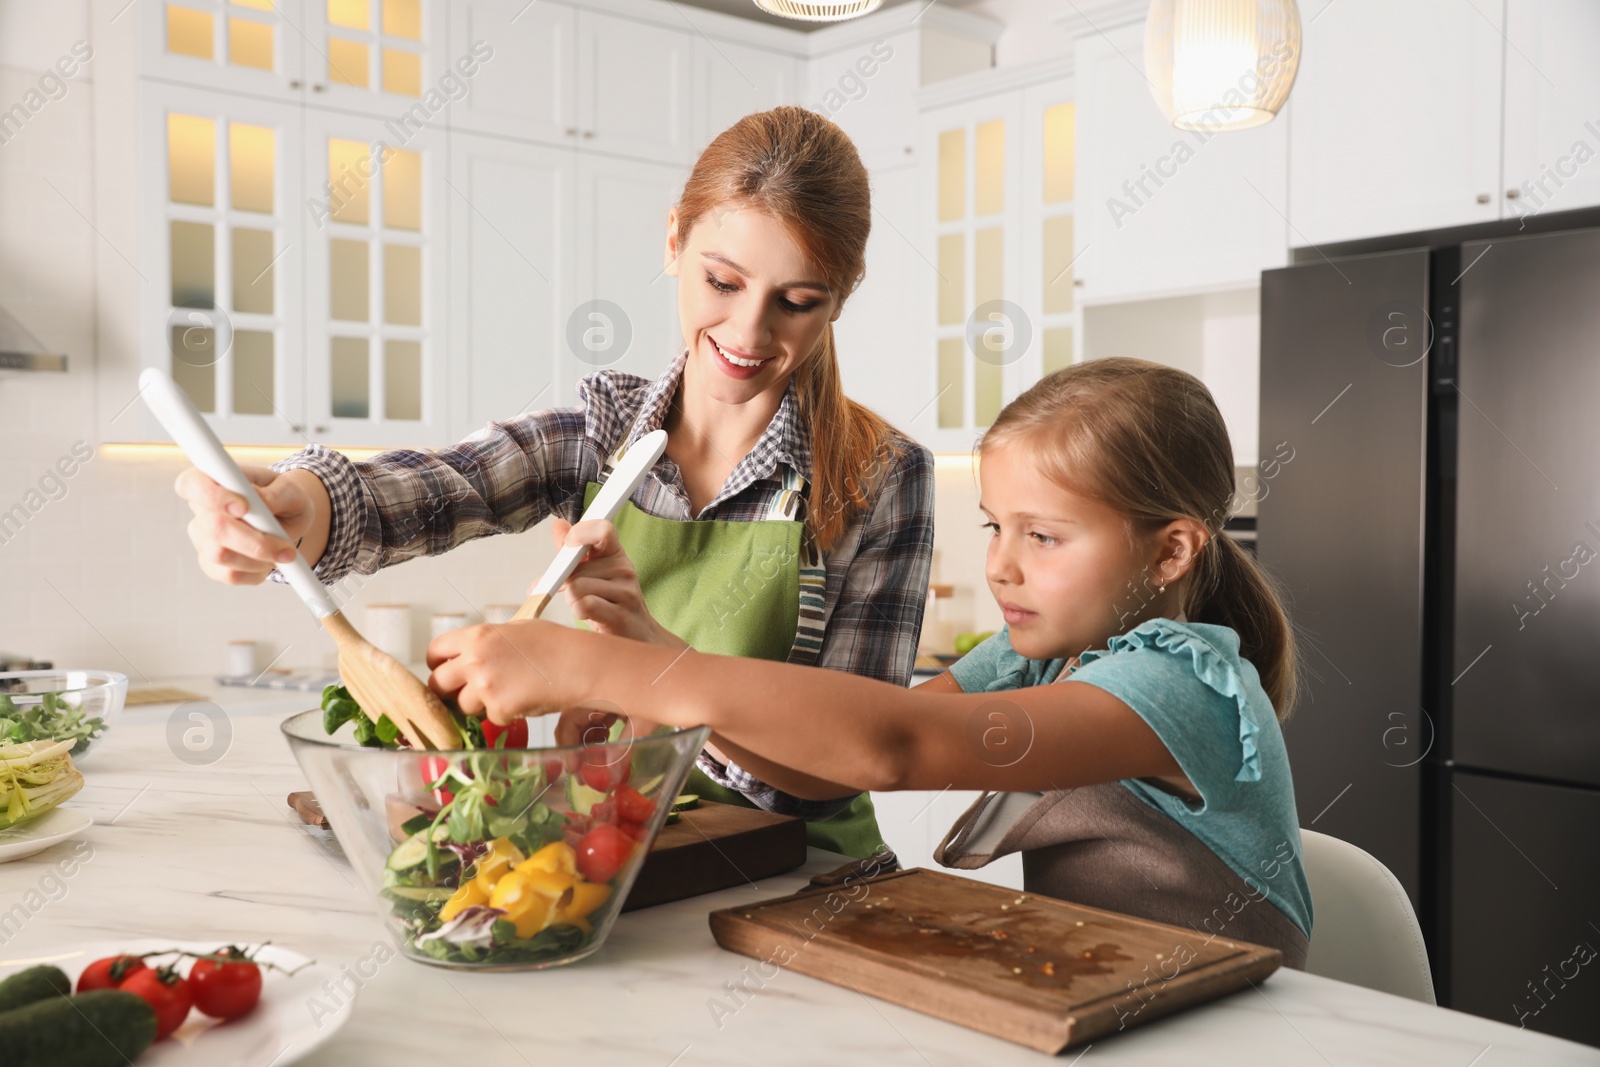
(737, 589)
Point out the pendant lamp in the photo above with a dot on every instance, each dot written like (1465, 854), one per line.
(819, 10)
(1221, 64)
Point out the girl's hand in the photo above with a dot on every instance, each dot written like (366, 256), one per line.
(231, 550)
(510, 670)
(604, 591)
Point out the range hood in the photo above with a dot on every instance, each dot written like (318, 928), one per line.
(21, 351)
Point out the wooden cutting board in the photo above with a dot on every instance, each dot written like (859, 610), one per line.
(1041, 972)
(715, 846)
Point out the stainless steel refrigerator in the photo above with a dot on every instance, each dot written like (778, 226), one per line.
(1438, 534)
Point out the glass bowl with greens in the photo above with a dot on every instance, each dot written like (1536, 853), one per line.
(492, 856)
(60, 705)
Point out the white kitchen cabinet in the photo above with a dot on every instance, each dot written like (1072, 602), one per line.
(635, 88)
(734, 80)
(624, 312)
(511, 277)
(528, 88)
(1394, 119)
(255, 48)
(1552, 107)
(376, 283)
(1163, 211)
(221, 229)
(878, 334)
(864, 74)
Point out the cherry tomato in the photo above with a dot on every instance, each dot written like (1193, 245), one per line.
(516, 734)
(602, 852)
(109, 973)
(603, 776)
(432, 768)
(225, 990)
(165, 991)
(605, 812)
(634, 806)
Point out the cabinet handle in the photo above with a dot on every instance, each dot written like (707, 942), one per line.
(1483, 198)
(1512, 194)
(318, 87)
(1077, 283)
(319, 429)
(572, 131)
(588, 135)
(295, 83)
(295, 427)
(909, 150)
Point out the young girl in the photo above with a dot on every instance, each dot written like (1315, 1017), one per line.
(1126, 713)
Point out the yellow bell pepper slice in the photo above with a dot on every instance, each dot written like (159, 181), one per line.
(525, 907)
(501, 857)
(586, 898)
(469, 894)
(557, 856)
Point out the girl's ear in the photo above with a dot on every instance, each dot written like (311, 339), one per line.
(1180, 542)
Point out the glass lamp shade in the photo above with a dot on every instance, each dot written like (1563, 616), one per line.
(1221, 64)
(819, 10)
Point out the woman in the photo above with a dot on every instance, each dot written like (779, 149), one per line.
(785, 521)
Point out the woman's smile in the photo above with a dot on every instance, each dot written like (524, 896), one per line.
(737, 364)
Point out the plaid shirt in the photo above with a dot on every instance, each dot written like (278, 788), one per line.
(511, 475)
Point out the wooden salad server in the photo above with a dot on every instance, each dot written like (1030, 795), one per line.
(380, 683)
(625, 478)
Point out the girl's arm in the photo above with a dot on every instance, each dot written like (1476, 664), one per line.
(826, 724)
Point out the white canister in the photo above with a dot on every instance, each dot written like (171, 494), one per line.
(241, 659)
(497, 613)
(388, 626)
(445, 621)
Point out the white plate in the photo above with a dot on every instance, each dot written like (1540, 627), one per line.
(294, 1016)
(36, 835)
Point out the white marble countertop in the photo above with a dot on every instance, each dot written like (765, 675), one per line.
(203, 850)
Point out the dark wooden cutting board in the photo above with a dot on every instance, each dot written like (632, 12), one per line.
(1041, 972)
(715, 846)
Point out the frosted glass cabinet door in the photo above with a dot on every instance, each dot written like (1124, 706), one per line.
(223, 224)
(511, 225)
(376, 283)
(245, 46)
(385, 58)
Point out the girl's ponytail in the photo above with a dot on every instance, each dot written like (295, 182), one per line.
(1230, 589)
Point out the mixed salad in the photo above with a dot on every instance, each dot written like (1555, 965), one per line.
(53, 718)
(511, 860)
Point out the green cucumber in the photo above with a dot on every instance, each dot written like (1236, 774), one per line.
(580, 797)
(104, 1028)
(685, 801)
(425, 894)
(35, 983)
(412, 851)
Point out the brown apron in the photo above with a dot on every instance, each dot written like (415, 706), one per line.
(1102, 846)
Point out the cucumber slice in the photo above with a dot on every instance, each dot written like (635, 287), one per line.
(580, 797)
(685, 801)
(427, 894)
(408, 853)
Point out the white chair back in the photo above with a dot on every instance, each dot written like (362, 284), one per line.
(1364, 931)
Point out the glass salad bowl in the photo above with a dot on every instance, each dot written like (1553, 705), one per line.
(58, 705)
(496, 859)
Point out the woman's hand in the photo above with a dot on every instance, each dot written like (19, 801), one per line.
(604, 591)
(510, 670)
(232, 551)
